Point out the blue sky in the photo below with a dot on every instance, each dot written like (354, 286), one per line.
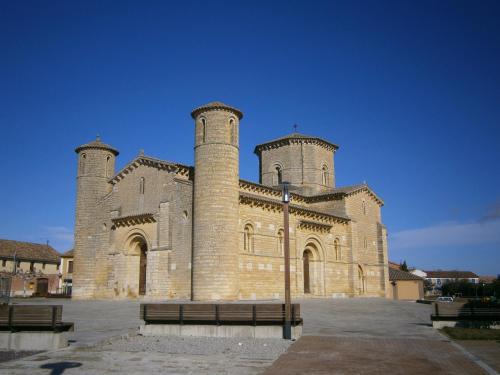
(410, 90)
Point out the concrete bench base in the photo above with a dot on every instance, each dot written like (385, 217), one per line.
(257, 332)
(29, 340)
(439, 324)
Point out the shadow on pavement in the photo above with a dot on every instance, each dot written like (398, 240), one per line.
(59, 367)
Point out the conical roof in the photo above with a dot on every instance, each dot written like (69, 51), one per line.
(97, 144)
(216, 105)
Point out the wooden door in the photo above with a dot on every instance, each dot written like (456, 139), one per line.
(42, 287)
(143, 263)
(307, 285)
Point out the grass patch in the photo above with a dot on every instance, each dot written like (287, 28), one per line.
(471, 333)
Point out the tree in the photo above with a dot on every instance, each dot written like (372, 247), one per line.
(404, 266)
(427, 285)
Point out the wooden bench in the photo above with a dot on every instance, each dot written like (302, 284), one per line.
(16, 318)
(458, 314)
(218, 314)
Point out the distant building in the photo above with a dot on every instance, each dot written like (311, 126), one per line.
(488, 279)
(34, 268)
(419, 273)
(405, 285)
(438, 278)
(66, 282)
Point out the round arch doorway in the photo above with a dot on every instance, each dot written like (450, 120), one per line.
(138, 248)
(312, 269)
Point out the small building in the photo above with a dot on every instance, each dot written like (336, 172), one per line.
(405, 285)
(66, 283)
(439, 278)
(33, 268)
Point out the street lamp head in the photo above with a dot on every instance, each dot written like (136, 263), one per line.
(286, 192)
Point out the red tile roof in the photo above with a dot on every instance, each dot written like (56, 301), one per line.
(28, 251)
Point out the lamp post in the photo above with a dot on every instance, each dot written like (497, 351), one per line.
(286, 200)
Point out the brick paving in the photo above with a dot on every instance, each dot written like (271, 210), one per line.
(486, 350)
(314, 355)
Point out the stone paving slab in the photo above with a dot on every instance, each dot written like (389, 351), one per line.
(486, 350)
(95, 321)
(314, 355)
(149, 355)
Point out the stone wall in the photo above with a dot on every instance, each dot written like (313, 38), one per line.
(369, 243)
(301, 165)
(261, 266)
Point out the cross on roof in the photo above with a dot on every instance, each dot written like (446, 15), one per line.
(295, 126)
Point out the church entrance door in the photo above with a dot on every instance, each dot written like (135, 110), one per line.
(143, 263)
(307, 281)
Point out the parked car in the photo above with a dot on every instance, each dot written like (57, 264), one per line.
(445, 299)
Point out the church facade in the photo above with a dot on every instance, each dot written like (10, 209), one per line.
(165, 230)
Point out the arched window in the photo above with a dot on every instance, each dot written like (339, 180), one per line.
(336, 246)
(324, 175)
(248, 238)
(232, 131)
(108, 169)
(281, 241)
(364, 207)
(279, 174)
(365, 243)
(83, 159)
(142, 186)
(203, 130)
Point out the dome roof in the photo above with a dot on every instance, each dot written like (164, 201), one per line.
(97, 144)
(216, 106)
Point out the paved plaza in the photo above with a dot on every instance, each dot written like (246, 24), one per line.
(341, 336)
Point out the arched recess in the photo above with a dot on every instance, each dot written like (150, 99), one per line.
(361, 281)
(313, 268)
(134, 269)
(233, 135)
(248, 237)
(281, 241)
(277, 173)
(337, 249)
(203, 130)
(325, 175)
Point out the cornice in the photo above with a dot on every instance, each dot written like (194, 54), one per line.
(276, 205)
(312, 225)
(180, 170)
(295, 140)
(268, 191)
(216, 106)
(127, 221)
(342, 194)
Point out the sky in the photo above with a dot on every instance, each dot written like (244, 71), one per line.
(410, 90)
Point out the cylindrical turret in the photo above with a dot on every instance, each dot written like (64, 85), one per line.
(96, 165)
(216, 200)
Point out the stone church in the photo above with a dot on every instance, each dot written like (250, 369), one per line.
(164, 230)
